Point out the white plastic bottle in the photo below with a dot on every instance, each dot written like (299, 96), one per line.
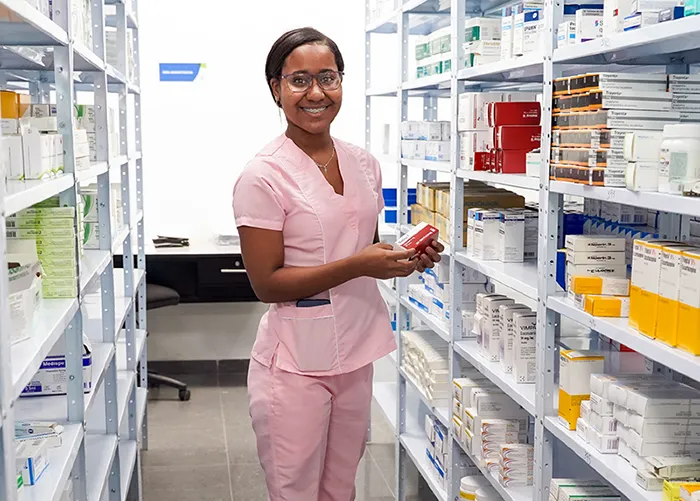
(487, 494)
(680, 158)
(469, 486)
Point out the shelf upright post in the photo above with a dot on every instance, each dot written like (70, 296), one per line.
(368, 122)
(550, 214)
(8, 469)
(402, 313)
(429, 115)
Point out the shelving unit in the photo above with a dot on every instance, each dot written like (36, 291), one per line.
(105, 428)
(673, 46)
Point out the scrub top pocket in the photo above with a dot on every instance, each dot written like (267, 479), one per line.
(309, 336)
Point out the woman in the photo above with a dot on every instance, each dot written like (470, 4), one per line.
(306, 208)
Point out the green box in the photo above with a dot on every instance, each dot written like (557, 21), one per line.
(445, 44)
(69, 262)
(55, 253)
(15, 222)
(34, 233)
(53, 273)
(48, 212)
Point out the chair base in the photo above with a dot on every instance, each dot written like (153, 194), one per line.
(158, 379)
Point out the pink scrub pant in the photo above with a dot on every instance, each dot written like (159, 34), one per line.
(311, 431)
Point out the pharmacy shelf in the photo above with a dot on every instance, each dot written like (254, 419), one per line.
(100, 451)
(428, 83)
(441, 413)
(141, 401)
(614, 469)
(24, 194)
(85, 59)
(125, 383)
(55, 408)
(88, 175)
(512, 180)
(416, 448)
(659, 44)
(619, 330)
(140, 336)
(127, 461)
(523, 394)
(508, 494)
(523, 69)
(386, 396)
(384, 24)
(92, 264)
(388, 91)
(388, 294)
(61, 459)
(118, 240)
(438, 326)
(428, 165)
(36, 30)
(521, 277)
(655, 201)
(50, 321)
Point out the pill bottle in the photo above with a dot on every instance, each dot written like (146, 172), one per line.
(487, 494)
(469, 486)
(680, 158)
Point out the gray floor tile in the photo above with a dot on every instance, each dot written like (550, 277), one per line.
(248, 482)
(203, 494)
(182, 478)
(241, 444)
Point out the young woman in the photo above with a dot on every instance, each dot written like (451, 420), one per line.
(306, 208)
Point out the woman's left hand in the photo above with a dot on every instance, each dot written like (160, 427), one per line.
(430, 256)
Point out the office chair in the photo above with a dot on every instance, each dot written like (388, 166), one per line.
(158, 296)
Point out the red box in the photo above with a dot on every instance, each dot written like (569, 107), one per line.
(512, 161)
(418, 238)
(518, 137)
(528, 113)
(481, 160)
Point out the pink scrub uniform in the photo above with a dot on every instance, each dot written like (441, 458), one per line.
(310, 381)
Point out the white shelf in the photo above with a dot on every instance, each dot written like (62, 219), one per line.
(388, 294)
(24, 194)
(92, 264)
(614, 469)
(50, 321)
(86, 56)
(384, 24)
(513, 180)
(141, 403)
(38, 29)
(387, 397)
(61, 459)
(100, 451)
(416, 448)
(524, 68)
(523, 394)
(387, 91)
(428, 165)
(432, 82)
(508, 494)
(521, 277)
(127, 461)
(654, 201)
(441, 413)
(55, 408)
(438, 326)
(118, 240)
(619, 330)
(88, 176)
(140, 336)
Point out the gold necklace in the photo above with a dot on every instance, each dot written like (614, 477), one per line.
(325, 166)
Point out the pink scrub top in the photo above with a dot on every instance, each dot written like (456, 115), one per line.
(282, 189)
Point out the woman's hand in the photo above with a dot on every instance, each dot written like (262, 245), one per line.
(430, 257)
(383, 262)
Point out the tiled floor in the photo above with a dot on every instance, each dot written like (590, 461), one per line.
(204, 449)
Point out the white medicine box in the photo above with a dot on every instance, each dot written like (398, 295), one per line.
(511, 236)
(52, 376)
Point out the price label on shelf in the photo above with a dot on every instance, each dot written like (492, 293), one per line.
(592, 324)
(610, 195)
(587, 457)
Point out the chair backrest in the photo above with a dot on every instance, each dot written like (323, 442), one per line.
(159, 296)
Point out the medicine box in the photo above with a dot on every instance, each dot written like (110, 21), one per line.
(606, 286)
(52, 379)
(32, 459)
(507, 335)
(491, 326)
(511, 233)
(605, 258)
(575, 369)
(689, 302)
(668, 294)
(594, 243)
(607, 306)
(524, 347)
(673, 467)
(472, 113)
(601, 406)
(589, 24)
(558, 483)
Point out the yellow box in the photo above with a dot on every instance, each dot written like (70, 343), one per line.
(575, 369)
(607, 306)
(650, 288)
(9, 104)
(607, 286)
(689, 302)
(570, 408)
(636, 283)
(687, 489)
(669, 286)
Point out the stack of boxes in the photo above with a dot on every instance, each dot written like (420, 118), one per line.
(665, 293)
(89, 214)
(575, 369)
(627, 15)
(581, 23)
(597, 275)
(522, 27)
(425, 141)
(506, 235)
(425, 362)
(85, 119)
(565, 489)
(482, 41)
(437, 452)
(608, 127)
(516, 465)
(24, 293)
(433, 53)
(81, 22)
(112, 51)
(48, 232)
(497, 131)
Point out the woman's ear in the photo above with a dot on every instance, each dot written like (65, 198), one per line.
(276, 91)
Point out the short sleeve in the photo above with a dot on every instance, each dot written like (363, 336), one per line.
(376, 170)
(255, 201)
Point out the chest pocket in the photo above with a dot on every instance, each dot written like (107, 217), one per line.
(309, 336)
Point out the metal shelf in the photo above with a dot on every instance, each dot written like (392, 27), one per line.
(524, 69)
(512, 180)
(416, 448)
(618, 330)
(24, 194)
(88, 175)
(382, 91)
(428, 83)
(612, 467)
(438, 326)
(100, 451)
(36, 30)
(428, 165)
(386, 396)
(441, 413)
(521, 277)
(127, 460)
(655, 201)
(523, 394)
(92, 265)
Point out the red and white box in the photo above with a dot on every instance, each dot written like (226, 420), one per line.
(473, 145)
(472, 110)
(511, 161)
(419, 238)
(517, 137)
(517, 113)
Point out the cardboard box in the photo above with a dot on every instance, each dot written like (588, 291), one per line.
(649, 481)
(605, 286)
(485, 243)
(507, 334)
(524, 347)
(672, 468)
(605, 444)
(490, 329)
(587, 493)
(517, 137)
(12, 156)
(605, 258)
(668, 294)
(473, 144)
(32, 459)
(689, 302)
(594, 243)
(601, 406)
(514, 113)
(558, 483)
(604, 425)
(575, 369)
(437, 151)
(664, 427)
(607, 306)
(51, 378)
(472, 114)
(419, 238)
(511, 236)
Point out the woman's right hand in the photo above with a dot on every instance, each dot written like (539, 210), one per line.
(383, 262)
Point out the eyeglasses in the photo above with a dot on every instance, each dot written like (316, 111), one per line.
(302, 81)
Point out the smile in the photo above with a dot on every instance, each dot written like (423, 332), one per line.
(315, 111)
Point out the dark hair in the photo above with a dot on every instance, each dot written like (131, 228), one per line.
(286, 44)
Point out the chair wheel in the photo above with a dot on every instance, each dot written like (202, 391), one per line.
(184, 395)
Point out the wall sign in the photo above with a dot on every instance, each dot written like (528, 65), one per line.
(180, 72)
